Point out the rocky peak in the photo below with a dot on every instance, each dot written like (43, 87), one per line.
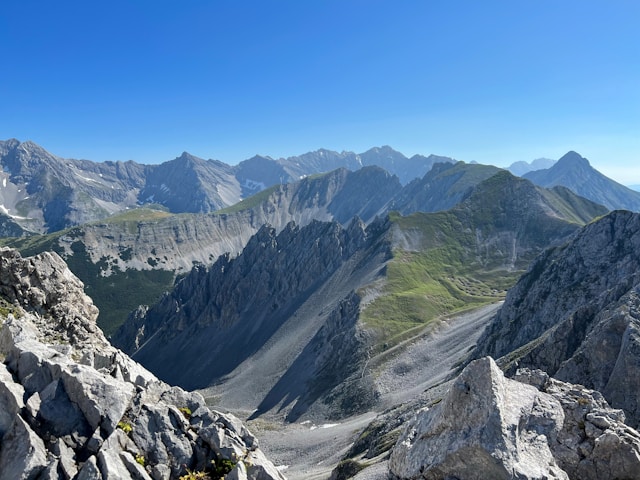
(72, 406)
(488, 426)
(572, 159)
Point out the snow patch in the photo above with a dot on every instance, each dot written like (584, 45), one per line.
(4, 182)
(324, 425)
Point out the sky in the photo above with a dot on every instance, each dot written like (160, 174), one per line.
(487, 81)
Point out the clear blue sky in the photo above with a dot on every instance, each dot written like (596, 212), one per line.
(490, 81)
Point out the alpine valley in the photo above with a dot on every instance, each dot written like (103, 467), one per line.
(368, 316)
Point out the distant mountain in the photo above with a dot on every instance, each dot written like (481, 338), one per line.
(131, 258)
(445, 185)
(44, 193)
(298, 315)
(634, 187)
(576, 313)
(574, 172)
(520, 168)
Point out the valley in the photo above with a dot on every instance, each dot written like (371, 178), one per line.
(325, 308)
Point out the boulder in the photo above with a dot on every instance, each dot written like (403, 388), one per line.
(535, 427)
(486, 427)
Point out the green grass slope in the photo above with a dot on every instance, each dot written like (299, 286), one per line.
(447, 262)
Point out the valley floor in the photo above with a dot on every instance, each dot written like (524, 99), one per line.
(309, 450)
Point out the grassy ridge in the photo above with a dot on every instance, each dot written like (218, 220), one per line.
(439, 277)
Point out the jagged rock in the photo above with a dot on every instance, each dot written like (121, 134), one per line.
(107, 418)
(576, 313)
(488, 426)
(22, 453)
(594, 442)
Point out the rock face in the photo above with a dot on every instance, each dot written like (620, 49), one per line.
(72, 406)
(576, 313)
(291, 292)
(488, 426)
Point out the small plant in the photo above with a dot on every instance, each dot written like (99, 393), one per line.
(186, 411)
(192, 475)
(140, 459)
(125, 427)
(222, 466)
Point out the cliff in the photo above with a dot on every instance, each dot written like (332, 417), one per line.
(72, 406)
(575, 313)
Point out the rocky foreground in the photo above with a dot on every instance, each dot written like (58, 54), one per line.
(535, 427)
(74, 407)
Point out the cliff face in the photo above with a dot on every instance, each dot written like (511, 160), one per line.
(575, 313)
(288, 297)
(72, 406)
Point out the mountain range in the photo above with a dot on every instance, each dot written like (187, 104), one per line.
(299, 314)
(45, 193)
(574, 172)
(296, 297)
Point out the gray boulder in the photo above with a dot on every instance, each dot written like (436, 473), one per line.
(488, 426)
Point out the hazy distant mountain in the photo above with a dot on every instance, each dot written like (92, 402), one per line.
(44, 193)
(634, 187)
(574, 172)
(445, 185)
(520, 168)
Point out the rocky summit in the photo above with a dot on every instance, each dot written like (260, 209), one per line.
(488, 426)
(73, 406)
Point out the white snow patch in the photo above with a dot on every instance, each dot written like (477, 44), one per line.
(324, 425)
(86, 178)
(282, 468)
(4, 182)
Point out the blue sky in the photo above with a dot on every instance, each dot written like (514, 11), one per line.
(490, 81)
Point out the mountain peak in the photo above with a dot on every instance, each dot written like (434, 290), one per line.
(573, 158)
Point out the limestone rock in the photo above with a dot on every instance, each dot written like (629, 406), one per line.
(576, 313)
(72, 406)
(488, 426)
(22, 453)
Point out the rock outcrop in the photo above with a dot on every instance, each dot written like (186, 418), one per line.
(72, 406)
(576, 313)
(488, 426)
(281, 316)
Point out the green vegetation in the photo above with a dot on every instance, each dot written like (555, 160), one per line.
(116, 295)
(186, 411)
(7, 308)
(143, 214)
(249, 203)
(125, 427)
(141, 460)
(440, 275)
